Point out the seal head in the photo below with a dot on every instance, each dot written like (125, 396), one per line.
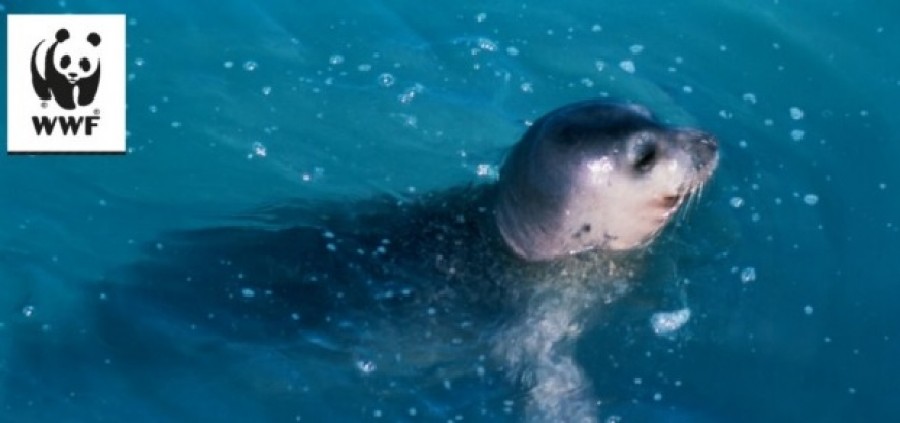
(595, 175)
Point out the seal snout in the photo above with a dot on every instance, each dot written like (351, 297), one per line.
(708, 146)
(702, 146)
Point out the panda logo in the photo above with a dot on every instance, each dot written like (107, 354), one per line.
(68, 71)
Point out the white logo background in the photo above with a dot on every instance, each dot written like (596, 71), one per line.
(24, 32)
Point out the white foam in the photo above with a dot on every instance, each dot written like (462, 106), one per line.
(668, 322)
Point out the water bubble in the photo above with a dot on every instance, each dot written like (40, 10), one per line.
(250, 66)
(798, 134)
(28, 310)
(512, 51)
(527, 87)
(266, 90)
(487, 44)
(176, 124)
(139, 61)
(796, 113)
(627, 66)
(408, 95)
(410, 121)
(487, 171)
(636, 49)
(749, 98)
(665, 323)
(366, 366)
(259, 149)
(228, 64)
(385, 80)
(480, 17)
(336, 59)
(596, 28)
(811, 199)
(687, 89)
(748, 275)
(248, 293)
(365, 67)
(808, 310)
(599, 65)
(736, 202)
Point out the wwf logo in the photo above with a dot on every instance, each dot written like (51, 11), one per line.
(70, 106)
(68, 70)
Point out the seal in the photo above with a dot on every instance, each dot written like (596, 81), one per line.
(596, 175)
(389, 297)
(590, 176)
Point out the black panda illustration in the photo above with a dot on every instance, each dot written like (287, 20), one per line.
(67, 64)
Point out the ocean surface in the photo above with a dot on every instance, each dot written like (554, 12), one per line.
(787, 267)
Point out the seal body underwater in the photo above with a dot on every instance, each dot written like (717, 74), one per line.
(503, 274)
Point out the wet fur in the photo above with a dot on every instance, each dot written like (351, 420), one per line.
(444, 292)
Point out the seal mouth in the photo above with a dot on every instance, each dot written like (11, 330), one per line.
(672, 201)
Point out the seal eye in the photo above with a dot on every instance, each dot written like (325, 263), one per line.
(645, 156)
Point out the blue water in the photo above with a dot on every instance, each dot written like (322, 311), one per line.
(788, 263)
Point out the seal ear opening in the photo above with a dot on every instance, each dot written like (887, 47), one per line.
(62, 35)
(94, 39)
